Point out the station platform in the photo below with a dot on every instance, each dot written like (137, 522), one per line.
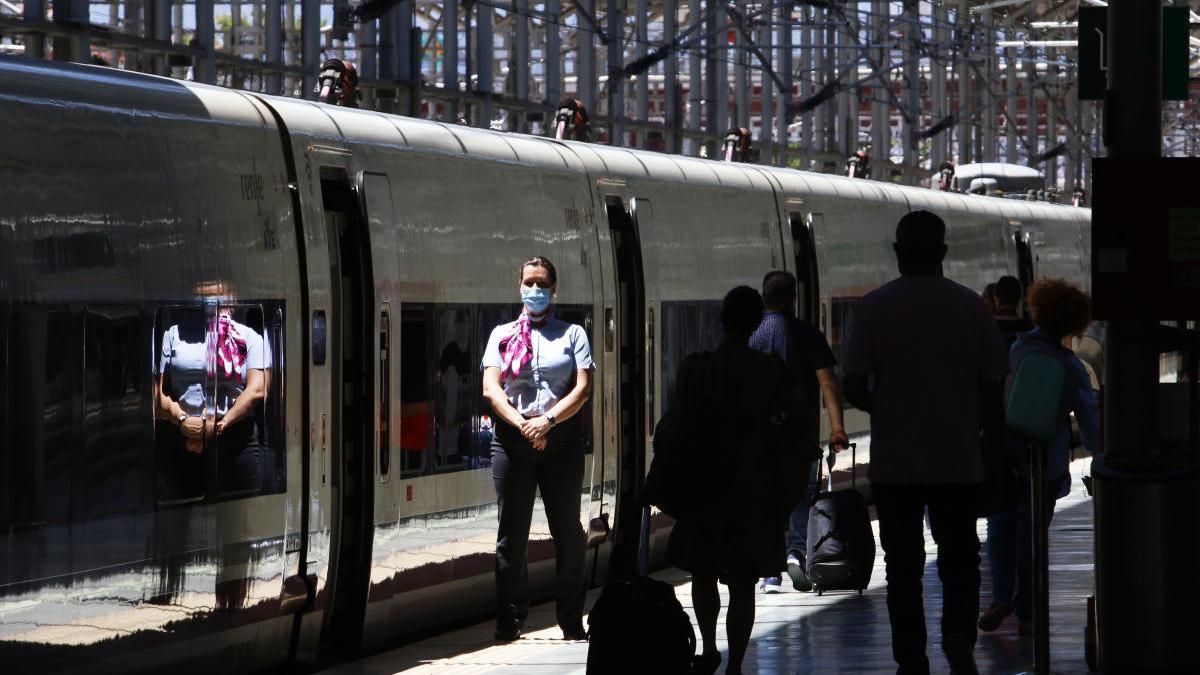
(798, 632)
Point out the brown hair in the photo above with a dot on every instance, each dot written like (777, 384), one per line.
(1059, 308)
(539, 261)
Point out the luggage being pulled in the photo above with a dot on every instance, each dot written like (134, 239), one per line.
(841, 546)
(637, 624)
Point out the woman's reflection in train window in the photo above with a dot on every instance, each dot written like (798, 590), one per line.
(242, 358)
(183, 404)
(452, 382)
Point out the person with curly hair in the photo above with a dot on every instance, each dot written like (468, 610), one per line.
(1060, 310)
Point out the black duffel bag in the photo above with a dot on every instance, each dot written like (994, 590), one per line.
(638, 626)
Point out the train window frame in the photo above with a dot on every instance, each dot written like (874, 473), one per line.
(384, 394)
(41, 512)
(162, 317)
(220, 482)
(143, 393)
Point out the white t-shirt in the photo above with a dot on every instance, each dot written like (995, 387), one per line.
(559, 349)
(927, 343)
(186, 365)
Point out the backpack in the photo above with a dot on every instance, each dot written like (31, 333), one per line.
(637, 625)
(679, 471)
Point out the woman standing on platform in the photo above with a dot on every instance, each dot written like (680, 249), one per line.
(1059, 310)
(537, 374)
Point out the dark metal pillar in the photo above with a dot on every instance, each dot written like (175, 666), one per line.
(695, 81)
(938, 108)
(616, 83)
(407, 60)
(784, 68)
(274, 43)
(310, 45)
(585, 58)
(642, 92)
(671, 87)
(767, 100)
(76, 47)
(1146, 501)
(553, 53)
(484, 49)
(35, 43)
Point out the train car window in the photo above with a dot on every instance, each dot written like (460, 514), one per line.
(686, 327)
(841, 319)
(453, 380)
(182, 401)
(116, 391)
(385, 392)
(218, 402)
(5, 442)
(44, 342)
(582, 315)
(244, 378)
(414, 391)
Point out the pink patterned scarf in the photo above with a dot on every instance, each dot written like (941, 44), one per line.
(230, 348)
(516, 349)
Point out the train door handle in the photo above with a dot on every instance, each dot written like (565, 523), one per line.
(297, 593)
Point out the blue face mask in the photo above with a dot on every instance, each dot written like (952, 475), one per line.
(536, 300)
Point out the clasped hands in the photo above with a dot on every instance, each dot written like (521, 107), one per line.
(196, 427)
(534, 429)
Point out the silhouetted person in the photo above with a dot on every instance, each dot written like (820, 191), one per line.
(1059, 310)
(1008, 303)
(989, 297)
(926, 360)
(810, 364)
(736, 535)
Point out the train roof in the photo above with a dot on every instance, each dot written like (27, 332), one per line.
(142, 95)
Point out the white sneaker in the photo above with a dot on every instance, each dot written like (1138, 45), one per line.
(793, 560)
(771, 585)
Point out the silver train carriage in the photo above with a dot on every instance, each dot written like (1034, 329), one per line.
(162, 241)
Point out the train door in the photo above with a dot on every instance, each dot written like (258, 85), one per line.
(350, 464)
(804, 252)
(1026, 258)
(629, 330)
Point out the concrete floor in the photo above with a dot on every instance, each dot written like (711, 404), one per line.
(800, 632)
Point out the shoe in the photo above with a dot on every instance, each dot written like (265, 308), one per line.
(795, 570)
(771, 585)
(1024, 628)
(991, 619)
(577, 633)
(960, 653)
(705, 664)
(507, 632)
(962, 664)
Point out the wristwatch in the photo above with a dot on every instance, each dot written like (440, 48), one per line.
(549, 418)
(182, 418)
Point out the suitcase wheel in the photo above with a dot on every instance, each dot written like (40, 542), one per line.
(860, 592)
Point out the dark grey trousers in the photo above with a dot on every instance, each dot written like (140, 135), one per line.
(519, 472)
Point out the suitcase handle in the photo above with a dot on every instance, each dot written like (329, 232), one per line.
(830, 459)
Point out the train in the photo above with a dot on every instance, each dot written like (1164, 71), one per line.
(161, 239)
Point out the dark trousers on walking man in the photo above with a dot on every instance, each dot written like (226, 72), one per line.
(901, 512)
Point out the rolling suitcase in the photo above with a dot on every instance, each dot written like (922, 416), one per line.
(637, 625)
(841, 546)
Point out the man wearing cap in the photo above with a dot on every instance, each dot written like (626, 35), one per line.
(924, 357)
